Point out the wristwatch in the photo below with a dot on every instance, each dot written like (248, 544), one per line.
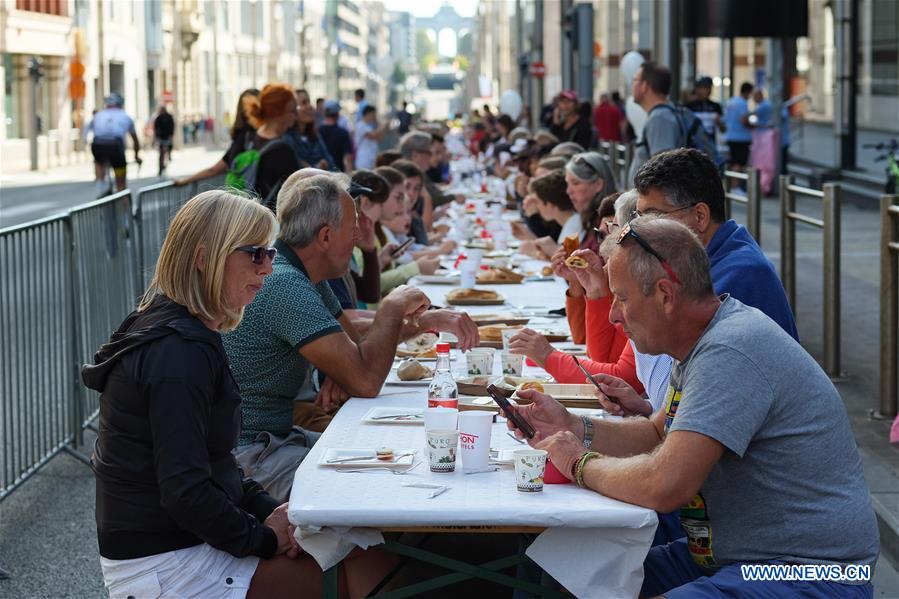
(588, 431)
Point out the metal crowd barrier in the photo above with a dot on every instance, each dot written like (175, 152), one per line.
(66, 283)
(889, 306)
(620, 156)
(106, 283)
(37, 348)
(752, 199)
(830, 225)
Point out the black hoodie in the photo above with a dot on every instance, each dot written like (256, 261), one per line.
(169, 418)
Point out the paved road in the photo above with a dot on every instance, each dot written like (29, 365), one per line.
(26, 196)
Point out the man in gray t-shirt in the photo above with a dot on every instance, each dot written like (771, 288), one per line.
(663, 130)
(753, 443)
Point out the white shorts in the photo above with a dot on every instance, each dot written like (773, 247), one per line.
(198, 571)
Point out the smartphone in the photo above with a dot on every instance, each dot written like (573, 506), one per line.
(593, 380)
(519, 422)
(402, 248)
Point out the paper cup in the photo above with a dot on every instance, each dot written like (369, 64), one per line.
(441, 419)
(442, 450)
(468, 272)
(530, 467)
(512, 363)
(474, 438)
(479, 363)
(508, 334)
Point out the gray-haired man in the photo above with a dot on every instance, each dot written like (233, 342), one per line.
(753, 443)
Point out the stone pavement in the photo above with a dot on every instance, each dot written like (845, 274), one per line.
(47, 537)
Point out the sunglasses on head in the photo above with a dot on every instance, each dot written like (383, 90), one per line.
(258, 252)
(628, 231)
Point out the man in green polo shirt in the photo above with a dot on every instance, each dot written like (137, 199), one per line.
(296, 323)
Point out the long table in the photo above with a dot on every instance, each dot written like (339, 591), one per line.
(594, 546)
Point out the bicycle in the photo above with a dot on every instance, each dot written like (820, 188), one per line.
(165, 154)
(892, 168)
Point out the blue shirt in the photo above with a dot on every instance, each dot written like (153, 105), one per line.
(112, 122)
(764, 112)
(784, 126)
(737, 108)
(740, 268)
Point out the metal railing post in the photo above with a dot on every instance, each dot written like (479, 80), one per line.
(628, 160)
(754, 204)
(832, 204)
(788, 241)
(889, 306)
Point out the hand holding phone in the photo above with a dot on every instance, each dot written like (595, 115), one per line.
(593, 380)
(399, 251)
(516, 419)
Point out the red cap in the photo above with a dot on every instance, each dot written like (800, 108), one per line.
(443, 348)
(569, 94)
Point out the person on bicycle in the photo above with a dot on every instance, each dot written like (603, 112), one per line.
(163, 131)
(110, 126)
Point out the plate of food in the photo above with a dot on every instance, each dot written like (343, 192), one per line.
(474, 297)
(422, 347)
(492, 335)
(380, 457)
(488, 319)
(569, 395)
(553, 335)
(394, 415)
(410, 373)
(435, 279)
(498, 275)
(473, 385)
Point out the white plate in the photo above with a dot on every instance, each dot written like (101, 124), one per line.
(335, 453)
(437, 279)
(505, 455)
(394, 381)
(389, 415)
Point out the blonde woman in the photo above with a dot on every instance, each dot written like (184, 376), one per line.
(175, 516)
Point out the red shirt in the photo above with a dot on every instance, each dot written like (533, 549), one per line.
(607, 119)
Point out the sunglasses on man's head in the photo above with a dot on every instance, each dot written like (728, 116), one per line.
(628, 231)
(258, 252)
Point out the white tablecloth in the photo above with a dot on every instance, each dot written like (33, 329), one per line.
(593, 545)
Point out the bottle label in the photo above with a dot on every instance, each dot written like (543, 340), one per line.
(434, 402)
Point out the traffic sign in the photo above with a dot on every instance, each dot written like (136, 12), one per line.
(168, 96)
(538, 69)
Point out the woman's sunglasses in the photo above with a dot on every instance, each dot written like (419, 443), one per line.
(258, 252)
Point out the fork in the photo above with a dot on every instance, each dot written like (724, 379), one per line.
(381, 469)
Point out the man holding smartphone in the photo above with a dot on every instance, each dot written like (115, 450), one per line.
(738, 444)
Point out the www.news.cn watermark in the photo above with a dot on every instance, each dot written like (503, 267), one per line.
(806, 572)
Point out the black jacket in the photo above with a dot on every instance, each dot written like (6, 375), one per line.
(164, 126)
(169, 418)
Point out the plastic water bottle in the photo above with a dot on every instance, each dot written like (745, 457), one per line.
(442, 392)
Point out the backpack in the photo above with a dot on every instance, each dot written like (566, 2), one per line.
(694, 134)
(243, 168)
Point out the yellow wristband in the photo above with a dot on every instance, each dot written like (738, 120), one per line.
(579, 473)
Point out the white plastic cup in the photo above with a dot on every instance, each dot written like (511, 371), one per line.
(500, 239)
(530, 467)
(441, 419)
(479, 363)
(513, 364)
(475, 257)
(507, 334)
(474, 438)
(496, 212)
(468, 272)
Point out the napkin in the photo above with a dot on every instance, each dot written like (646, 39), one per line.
(328, 546)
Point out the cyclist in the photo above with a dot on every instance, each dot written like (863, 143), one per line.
(110, 126)
(163, 130)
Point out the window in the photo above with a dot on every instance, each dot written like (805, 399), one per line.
(885, 48)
